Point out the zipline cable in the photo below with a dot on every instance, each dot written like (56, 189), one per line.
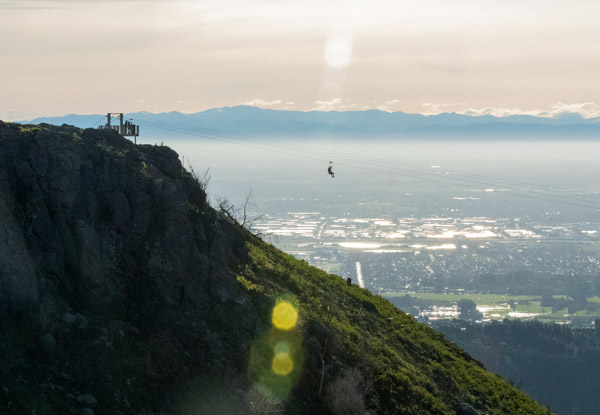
(386, 163)
(257, 143)
(445, 181)
(393, 164)
(96, 123)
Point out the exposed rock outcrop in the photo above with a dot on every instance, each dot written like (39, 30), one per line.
(104, 241)
(88, 217)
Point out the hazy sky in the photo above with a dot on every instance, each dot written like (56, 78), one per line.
(428, 56)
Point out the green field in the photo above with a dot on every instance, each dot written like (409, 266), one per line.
(498, 306)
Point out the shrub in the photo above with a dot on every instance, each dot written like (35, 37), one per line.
(346, 394)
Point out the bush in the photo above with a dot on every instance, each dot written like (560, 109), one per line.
(346, 394)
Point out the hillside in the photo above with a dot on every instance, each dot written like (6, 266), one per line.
(123, 292)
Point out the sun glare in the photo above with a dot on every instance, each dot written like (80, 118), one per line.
(337, 52)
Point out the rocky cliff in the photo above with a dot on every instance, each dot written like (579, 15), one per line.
(123, 292)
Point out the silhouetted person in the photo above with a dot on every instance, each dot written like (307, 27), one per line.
(330, 171)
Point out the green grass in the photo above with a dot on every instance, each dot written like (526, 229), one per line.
(412, 369)
(451, 297)
(530, 304)
(30, 128)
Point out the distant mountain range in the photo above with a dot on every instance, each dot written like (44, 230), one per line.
(254, 121)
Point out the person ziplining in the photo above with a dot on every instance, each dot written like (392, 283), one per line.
(330, 169)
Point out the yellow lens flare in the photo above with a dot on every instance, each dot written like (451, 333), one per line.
(285, 316)
(282, 364)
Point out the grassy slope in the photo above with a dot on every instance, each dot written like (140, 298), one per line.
(412, 368)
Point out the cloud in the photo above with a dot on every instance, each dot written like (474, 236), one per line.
(389, 106)
(503, 112)
(558, 110)
(586, 109)
(434, 108)
(335, 104)
(262, 103)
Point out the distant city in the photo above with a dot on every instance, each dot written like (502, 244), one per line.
(426, 264)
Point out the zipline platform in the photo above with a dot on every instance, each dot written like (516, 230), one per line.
(126, 129)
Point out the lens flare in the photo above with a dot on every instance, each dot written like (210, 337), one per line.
(282, 347)
(285, 316)
(277, 355)
(282, 364)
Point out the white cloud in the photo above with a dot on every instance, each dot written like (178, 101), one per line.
(335, 104)
(585, 110)
(503, 112)
(434, 108)
(389, 106)
(262, 103)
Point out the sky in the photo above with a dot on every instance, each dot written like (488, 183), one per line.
(420, 56)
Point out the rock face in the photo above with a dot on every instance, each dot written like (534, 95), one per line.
(102, 238)
(89, 218)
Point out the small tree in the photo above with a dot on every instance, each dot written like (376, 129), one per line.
(468, 310)
(346, 394)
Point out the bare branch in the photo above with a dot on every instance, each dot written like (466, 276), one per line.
(322, 356)
(203, 178)
(241, 215)
(228, 209)
(346, 394)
